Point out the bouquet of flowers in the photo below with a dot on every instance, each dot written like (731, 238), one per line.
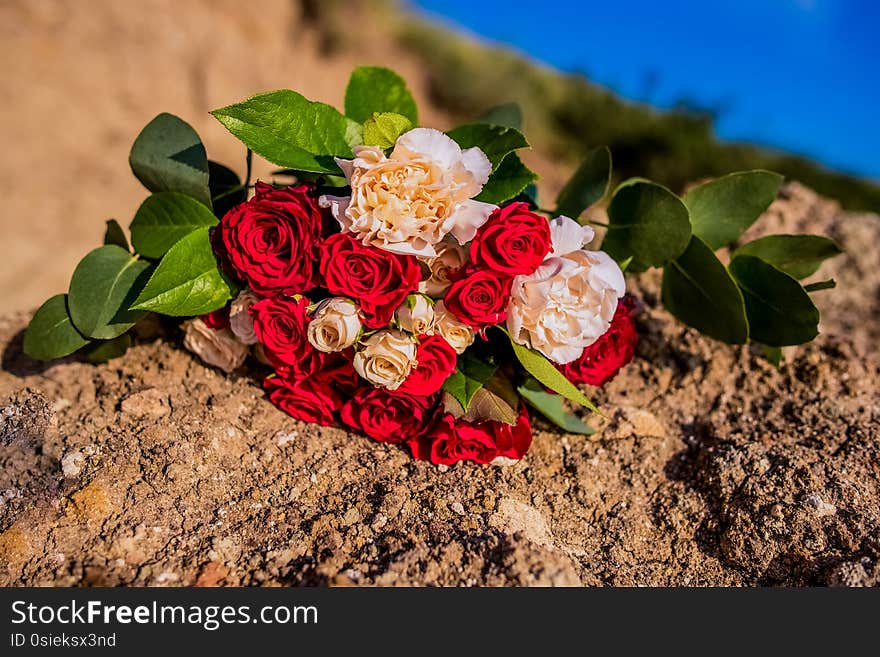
(407, 283)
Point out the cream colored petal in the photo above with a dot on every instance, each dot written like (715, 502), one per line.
(475, 161)
(469, 216)
(338, 208)
(427, 141)
(568, 235)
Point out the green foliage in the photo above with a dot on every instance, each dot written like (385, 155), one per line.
(102, 288)
(113, 234)
(723, 208)
(168, 156)
(545, 372)
(51, 334)
(509, 180)
(830, 284)
(187, 281)
(648, 223)
(373, 89)
(588, 185)
(163, 219)
(227, 190)
(291, 131)
(551, 407)
(101, 352)
(470, 376)
(494, 140)
(780, 311)
(383, 128)
(798, 256)
(700, 292)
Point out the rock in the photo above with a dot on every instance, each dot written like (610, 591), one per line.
(151, 402)
(514, 517)
(72, 463)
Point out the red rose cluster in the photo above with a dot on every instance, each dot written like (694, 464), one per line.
(351, 339)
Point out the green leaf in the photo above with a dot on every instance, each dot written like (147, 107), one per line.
(168, 156)
(780, 311)
(798, 256)
(830, 284)
(101, 352)
(494, 140)
(699, 291)
(646, 222)
(772, 354)
(187, 282)
(374, 89)
(227, 190)
(50, 333)
(545, 372)
(291, 131)
(508, 115)
(723, 208)
(588, 184)
(383, 128)
(507, 181)
(470, 375)
(102, 288)
(551, 407)
(487, 406)
(114, 234)
(163, 219)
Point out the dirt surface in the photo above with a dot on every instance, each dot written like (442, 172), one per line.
(712, 467)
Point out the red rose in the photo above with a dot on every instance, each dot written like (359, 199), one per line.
(452, 440)
(281, 326)
(479, 297)
(315, 398)
(602, 360)
(513, 241)
(217, 319)
(270, 241)
(389, 417)
(436, 361)
(378, 280)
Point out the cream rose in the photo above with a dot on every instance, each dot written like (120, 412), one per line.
(451, 256)
(240, 320)
(409, 201)
(219, 348)
(459, 335)
(335, 325)
(416, 315)
(568, 303)
(386, 358)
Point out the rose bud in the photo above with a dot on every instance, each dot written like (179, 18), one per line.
(282, 328)
(479, 298)
(389, 417)
(271, 240)
(416, 315)
(240, 320)
(459, 335)
(435, 362)
(514, 241)
(450, 258)
(386, 358)
(217, 347)
(335, 325)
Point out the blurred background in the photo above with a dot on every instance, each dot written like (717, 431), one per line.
(679, 90)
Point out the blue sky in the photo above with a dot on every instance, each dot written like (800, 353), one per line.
(800, 75)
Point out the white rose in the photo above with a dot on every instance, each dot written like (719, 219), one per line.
(568, 303)
(335, 325)
(219, 348)
(416, 315)
(386, 358)
(459, 335)
(240, 320)
(409, 201)
(451, 256)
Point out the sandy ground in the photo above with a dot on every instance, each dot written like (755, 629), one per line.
(712, 467)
